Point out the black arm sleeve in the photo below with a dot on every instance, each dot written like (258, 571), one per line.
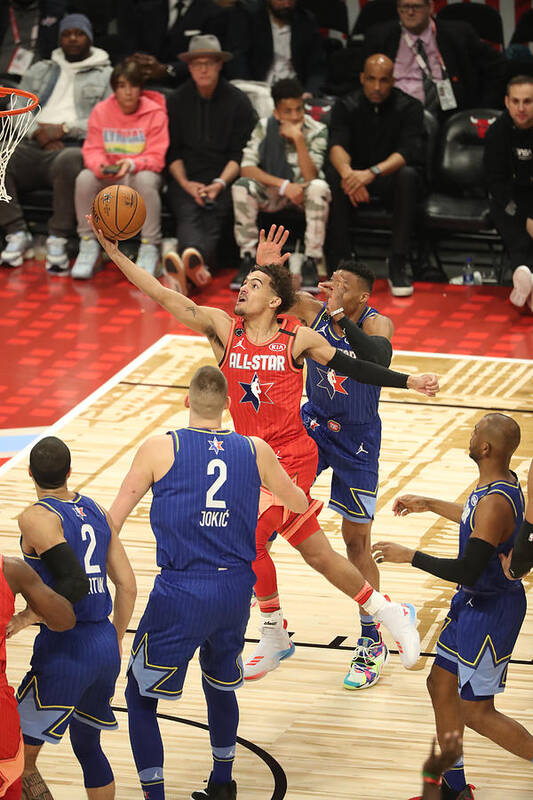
(69, 578)
(465, 570)
(522, 560)
(365, 372)
(377, 349)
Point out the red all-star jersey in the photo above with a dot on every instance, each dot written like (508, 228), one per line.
(265, 386)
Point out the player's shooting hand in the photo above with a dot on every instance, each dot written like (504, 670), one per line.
(409, 504)
(109, 245)
(270, 247)
(427, 384)
(390, 551)
(452, 749)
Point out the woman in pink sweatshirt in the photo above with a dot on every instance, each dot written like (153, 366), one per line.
(127, 138)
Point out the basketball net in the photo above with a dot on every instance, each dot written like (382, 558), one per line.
(17, 112)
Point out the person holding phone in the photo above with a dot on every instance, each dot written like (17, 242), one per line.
(126, 142)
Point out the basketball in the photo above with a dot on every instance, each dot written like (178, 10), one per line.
(119, 212)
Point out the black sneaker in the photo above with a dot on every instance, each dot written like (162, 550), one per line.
(309, 274)
(400, 283)
(216, 791)
(247, 264)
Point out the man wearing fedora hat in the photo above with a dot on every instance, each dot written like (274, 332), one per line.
(210, 122)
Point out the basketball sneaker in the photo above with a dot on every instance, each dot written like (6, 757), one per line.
(195, 268)
(216, 791)
(19, 246)
(88, 259)
(400, 621)
(148, 257)
(274, 646)
(368, 661)
(57, 261)
(466, 794)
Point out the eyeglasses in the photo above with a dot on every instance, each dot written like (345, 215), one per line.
(412, 6)
(206, 63)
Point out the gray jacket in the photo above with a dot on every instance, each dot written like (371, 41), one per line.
(91, 85)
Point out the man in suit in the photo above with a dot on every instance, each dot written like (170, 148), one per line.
(279, 39)
(442, 63)
(155, 31)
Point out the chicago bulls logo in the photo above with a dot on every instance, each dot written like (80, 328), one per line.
(482, 125)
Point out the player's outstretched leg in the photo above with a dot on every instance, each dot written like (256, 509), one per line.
(371, 653)
(398, 618)
(274, 643)
(223, 717)
(145, 739)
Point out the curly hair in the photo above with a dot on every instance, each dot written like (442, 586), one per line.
(280, 283)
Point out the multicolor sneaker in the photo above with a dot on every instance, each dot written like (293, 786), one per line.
(274, 646)
(369, 659)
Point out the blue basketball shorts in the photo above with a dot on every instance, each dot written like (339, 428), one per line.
(352, 452)
(477, 639)
(187, 610)
(72, 674)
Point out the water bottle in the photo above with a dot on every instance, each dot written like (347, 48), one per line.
(468, 273)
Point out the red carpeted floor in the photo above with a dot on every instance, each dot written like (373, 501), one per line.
(61, 338)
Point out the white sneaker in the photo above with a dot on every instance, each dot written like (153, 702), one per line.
(522, 286)
(148, 257)
(19, 246)
(274, 645)
(57, 261)
(400, 621)
(89, 257)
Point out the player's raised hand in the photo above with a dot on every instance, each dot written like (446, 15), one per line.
(390, 551)
(334, 290)
(409, 504)
(427, 384)
(109, 245)
(270, 247)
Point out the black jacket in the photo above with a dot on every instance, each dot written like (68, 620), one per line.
(142, 26)
(477, 71)
(508, 162)
(370, 133)
(206, 134)
(249, 38)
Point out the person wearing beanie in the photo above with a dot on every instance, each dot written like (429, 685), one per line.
(68, 85)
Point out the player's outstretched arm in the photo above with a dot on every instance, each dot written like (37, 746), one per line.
(274, 477)
(121, 574)
(138, 480)
(210, 321)
(311, 344)
(42, 532)
(522, 559)
(52, 608)
(416, 504)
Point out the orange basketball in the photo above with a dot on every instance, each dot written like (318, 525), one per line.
(119, 212)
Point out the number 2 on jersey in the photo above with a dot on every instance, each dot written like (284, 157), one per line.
(216, 464)
(88, 531)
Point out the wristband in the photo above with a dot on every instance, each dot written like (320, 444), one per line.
(339, 310)
(221, 181)
(427, 777)
(283, 187)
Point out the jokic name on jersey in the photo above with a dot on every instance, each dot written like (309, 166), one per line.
(259, 361)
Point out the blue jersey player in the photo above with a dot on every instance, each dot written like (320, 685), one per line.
(205, 482)
(341, 415)
(478, 635)
(72, 676)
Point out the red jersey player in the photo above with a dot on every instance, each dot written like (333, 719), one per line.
(262, 355)
(58, 614)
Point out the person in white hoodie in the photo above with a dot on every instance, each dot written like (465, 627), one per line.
(68, 86)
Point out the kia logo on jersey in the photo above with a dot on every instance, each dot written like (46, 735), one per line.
(276, 347)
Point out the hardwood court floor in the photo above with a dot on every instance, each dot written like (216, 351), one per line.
(299, 722)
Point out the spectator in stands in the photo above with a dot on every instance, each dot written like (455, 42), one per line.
(19, 23)
(443, 63)
(377, 146)
(280, 39)
(282, 167)
(210, 122)
(155, 31)
(69, 86)
(127, 139)
(508, 162)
